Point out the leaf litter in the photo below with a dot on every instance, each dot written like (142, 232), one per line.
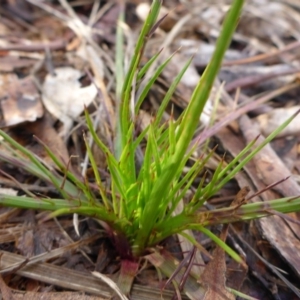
(263, 60)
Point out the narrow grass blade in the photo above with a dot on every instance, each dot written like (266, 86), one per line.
(124, 112)
(150, 83)
(170, 92)
(220, 243)
(244, 161)
(81, 186)
(97, 176)
(119, 73)
(201, 93)
(188, 125)
(148, 64)
(34, 160)
(33, 165)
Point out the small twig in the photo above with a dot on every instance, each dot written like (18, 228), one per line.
(257, 79)
(179, 268)
(18, 184)
(268, 188)
(52, 45)
(262, 57)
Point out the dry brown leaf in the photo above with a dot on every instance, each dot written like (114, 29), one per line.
(39, 239)
(214, 277)
(45, 132)
(5, 291)
(65, 98)
(20, 100)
